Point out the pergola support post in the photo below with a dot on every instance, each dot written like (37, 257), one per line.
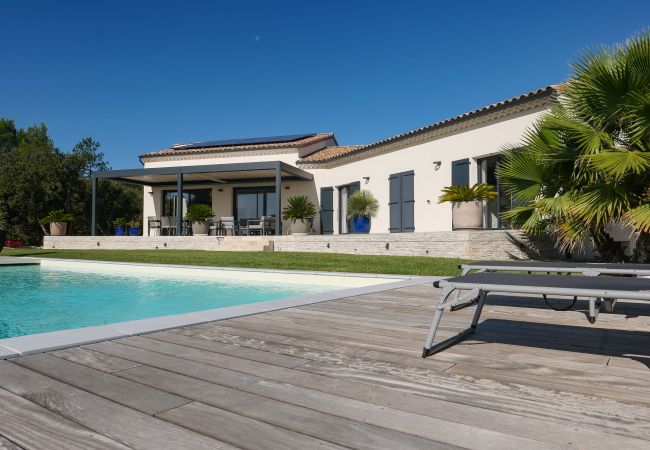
(278, 200)
(93, 220)
(179, 204)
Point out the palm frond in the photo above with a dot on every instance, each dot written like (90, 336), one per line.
(603, 204)
(478, 192)
(617, 164)
(639, 217)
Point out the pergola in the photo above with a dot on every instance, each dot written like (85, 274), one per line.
(201, 174)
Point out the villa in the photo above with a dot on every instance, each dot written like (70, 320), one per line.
(251, 178)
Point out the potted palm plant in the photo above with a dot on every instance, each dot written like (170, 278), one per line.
(120, 226)
(134, 227)
(299, 208)
(58, 220)
(362, 206)
(467, 204)
(199, 214)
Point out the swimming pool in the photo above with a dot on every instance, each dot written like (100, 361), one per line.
(63, 295)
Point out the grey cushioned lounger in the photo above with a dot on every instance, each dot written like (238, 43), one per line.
(481, 284)
(560, 268)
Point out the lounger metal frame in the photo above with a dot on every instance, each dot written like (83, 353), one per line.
(482, 290)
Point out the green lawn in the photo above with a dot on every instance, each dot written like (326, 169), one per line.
(330, 262)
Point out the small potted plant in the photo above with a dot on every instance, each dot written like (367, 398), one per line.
(298, 210)
(134, 227)
(58, 221)
(120, 226)
(467, 204)
(362, 206)
(13, 240)
(198, 214)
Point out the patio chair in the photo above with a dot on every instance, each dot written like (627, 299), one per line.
(166, 226)
(155, 224)
(213, 226)
(228, 224)
(269, 224)
(593, 288)
(261, 226)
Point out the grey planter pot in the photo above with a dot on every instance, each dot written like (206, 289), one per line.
(299, 227)
(467, 215)
(200, 228)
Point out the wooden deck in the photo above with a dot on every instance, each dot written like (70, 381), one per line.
(345, 373)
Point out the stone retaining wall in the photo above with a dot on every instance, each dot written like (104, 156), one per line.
(229, 243)
(488, 244)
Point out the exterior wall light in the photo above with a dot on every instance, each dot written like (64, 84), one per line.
(437, 165)
(366, 179)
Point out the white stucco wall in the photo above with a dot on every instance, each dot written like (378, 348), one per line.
(474, 142)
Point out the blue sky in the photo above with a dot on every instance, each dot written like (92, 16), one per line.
(139, 76)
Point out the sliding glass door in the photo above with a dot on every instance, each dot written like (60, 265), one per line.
(487, 168)
(190, 197)
(254, 202)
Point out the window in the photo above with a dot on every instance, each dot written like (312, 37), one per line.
(190, 197)
(487, 168)
(345, 191)
(254, 202)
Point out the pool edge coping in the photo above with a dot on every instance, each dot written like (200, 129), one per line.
(57, 340)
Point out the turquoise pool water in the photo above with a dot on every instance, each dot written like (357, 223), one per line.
(37, 300)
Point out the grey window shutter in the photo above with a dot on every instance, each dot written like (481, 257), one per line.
(408, 202)
(395, 202)
(327, 210)
(460, 172)
(354, 187)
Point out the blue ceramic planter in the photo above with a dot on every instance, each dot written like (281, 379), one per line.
(134, 231)
(120, 231)
(361, 224)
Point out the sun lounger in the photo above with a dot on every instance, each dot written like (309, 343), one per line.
(560, 268)
(594, 269)
(481, 284)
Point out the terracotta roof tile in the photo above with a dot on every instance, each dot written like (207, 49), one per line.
(328, 153)
(300, 143)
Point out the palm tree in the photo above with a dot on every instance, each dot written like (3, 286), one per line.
(586, 164)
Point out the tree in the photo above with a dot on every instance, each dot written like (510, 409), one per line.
(30, 182)
(8, 136)
(36, 178)
(90, 159)
(585, 166)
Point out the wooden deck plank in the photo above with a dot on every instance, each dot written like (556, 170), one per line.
(28, 425)
(6, 444)
(122, 424)
(276, 344)
(238, 352)
(241, 431)
(343, 431)
(387, 419)
(134, 395)
(454, 400)
(94, 360)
